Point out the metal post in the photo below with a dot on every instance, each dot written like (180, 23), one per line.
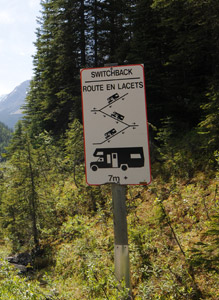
(121, 250)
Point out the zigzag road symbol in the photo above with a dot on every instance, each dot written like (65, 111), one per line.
(115, 116)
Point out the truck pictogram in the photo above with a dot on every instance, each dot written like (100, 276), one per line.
(123, 158)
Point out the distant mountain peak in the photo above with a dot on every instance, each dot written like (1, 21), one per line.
(10, 104)
(2, 97)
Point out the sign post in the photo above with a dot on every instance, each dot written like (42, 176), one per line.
(116, 142)
(121, 248)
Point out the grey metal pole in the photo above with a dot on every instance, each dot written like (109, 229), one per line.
(121, 249)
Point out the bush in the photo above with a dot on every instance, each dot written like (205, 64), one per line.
(14, 287)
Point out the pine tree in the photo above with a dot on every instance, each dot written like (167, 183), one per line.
(19, 199)
(176, 40)
(5, 136)
(53, 99)
(112, 31)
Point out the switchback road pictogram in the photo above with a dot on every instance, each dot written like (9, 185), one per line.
(115, 116)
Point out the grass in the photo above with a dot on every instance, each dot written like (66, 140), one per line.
(166, 221)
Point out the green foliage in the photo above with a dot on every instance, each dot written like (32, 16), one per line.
(178, 153)
(170, 37)
(27, 203)
(19, 193)
(5, 136)
(53, 97)
(45, 201)
(75, 149)
(205, 254)
(87, 261)
(209, 126)
(16, 288)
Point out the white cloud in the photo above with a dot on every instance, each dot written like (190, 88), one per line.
(22, 53)
(17, 34)
(33, 3)
(6, 18)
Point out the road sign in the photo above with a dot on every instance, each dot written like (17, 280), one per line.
(115, 125)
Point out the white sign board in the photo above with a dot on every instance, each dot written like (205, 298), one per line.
(115, 125)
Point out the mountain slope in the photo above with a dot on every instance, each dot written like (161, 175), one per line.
(10, 105)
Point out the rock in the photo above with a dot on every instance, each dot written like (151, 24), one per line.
(24, 259)
(22, 269)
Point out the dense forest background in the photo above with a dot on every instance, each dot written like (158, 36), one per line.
(46, 207)
(5, 136)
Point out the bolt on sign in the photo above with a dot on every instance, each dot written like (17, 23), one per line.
(115, 125)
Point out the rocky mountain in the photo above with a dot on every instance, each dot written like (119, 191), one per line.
(2, 97)
(10, 105)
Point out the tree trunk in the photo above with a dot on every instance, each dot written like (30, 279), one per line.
(32, 200)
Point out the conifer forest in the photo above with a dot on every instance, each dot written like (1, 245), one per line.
(66, 226)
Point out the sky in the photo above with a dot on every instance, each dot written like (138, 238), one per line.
(17, 35)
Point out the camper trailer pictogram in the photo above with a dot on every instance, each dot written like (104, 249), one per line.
(117, 116)
(123, 158)
(112, 98)
(110, 133)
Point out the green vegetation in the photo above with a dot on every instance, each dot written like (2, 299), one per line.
(46, 206)
(16, 288)
(5, 136)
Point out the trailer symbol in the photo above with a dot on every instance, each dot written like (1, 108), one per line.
(123, 158)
